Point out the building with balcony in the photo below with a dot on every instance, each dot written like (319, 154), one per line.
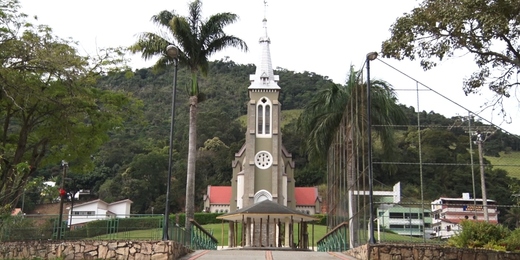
(447, 214)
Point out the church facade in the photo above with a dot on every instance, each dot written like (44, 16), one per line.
(263, 169)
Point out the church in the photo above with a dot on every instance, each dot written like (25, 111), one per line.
(262, 196)
(263, 169)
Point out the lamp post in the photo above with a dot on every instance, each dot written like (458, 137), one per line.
(72, 192)
(64, 165)
(371, 239)
(173, 53)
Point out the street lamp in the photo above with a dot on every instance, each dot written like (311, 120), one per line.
(72, 192)
(173, 53)
(371, 240)
(64, 165)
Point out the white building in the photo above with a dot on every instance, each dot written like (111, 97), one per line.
(97, 210)
(447, 214)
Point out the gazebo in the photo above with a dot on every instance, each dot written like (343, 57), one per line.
(268, 224)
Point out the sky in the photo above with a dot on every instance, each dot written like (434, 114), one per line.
(324, 37)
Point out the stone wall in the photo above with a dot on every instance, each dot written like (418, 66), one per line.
(69, 250)
(424, 251)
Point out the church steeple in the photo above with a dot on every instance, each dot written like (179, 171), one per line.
(264, 77)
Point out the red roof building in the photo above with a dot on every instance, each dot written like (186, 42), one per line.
(218, 198)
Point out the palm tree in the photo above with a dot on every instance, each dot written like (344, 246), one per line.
(334, 128)
(512, 217)
(197, 39)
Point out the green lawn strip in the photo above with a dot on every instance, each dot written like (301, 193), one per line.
(220, 232)
(145, 234)
(319, 232)
(507, 161)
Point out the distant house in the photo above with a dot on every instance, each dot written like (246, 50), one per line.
(217, 199)
(307, 199)
(97, 210)
(449, 212)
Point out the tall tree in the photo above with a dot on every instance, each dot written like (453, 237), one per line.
(50, 108)
(197, 39)
(341, 110)
(487, 29)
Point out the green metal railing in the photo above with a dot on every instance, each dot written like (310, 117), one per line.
(335, 240)
(201, 238)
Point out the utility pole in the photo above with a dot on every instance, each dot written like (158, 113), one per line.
(483, 132)
(480, 142)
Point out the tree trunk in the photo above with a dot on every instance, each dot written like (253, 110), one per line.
(192, 156)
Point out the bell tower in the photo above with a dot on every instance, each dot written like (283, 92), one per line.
(263, 169)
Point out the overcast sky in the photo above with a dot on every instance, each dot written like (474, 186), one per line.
(324, 37)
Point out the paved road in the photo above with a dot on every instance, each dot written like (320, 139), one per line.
(263, 254)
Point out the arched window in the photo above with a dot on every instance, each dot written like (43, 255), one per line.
(262, 195)
(263, 117)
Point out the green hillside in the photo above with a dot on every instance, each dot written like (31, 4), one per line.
(509, 161)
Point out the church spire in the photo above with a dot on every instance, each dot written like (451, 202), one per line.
(264, 76)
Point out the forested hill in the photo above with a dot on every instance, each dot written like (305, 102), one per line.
(134, 162)
(140, 149)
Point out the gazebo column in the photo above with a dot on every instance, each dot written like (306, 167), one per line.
(261, 231)
(248, 232)
(253, 233)
(279, 241)
(244, 233)
(287, 233)
(231, 234)
(291, 233)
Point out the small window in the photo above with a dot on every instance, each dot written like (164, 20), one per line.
(260, 116)
(264, 117)
(267, 119)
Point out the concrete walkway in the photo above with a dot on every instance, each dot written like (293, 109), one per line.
(262, 254)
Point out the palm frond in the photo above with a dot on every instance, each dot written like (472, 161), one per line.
(149, 45)
(163, 18)
(346, 104)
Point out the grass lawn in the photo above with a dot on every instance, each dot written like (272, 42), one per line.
(220, 232)
(509, 162)
(319, 232)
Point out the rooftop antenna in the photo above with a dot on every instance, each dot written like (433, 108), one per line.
(265, 38)
(265, 9)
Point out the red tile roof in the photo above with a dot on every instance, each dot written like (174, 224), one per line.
(219, 194)
(305, 196)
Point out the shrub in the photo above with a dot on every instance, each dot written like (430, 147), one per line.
(201, 218)
(322, 219)
(512, 242)
(479, 234)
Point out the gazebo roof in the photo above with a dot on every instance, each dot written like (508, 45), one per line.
(267, 208)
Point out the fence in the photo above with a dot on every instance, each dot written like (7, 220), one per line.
(98, 227)
(45, 227)
(434, 158)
